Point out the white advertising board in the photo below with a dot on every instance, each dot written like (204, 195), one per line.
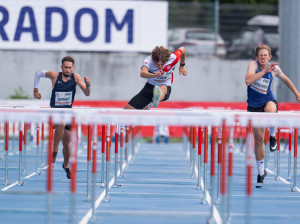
(83, 25)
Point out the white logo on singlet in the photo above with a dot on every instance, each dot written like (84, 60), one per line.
(63, 98)
(261, 85)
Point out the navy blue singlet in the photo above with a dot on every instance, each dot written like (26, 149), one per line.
(63, 93)
(260, 92)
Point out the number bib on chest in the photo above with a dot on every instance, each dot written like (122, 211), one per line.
(63, 98)
(261, 85)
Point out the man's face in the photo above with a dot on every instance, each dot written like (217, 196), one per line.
(263, 57)
(67, 68)
(159, 65)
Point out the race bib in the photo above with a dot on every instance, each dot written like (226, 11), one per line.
(63, 98)
(261, 85)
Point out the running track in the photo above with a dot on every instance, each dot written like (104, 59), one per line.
(157, 188)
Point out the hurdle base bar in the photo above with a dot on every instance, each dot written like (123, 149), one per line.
(6, 182)
(211, 219)
(24, 160)
(116, 185)
(93, 199)
(102, 184)
(121, 162)
(191, 155)
(107, 197)
(289, 178)
(20, 183)
(204, 199)
(88, 197)
(198, 186)
(219, 199)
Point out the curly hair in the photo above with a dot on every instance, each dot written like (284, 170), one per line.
(262, 47)
(160, 53)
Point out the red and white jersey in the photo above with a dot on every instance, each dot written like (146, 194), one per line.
(167, 77)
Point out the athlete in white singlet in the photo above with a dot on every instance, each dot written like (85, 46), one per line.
(158, 69)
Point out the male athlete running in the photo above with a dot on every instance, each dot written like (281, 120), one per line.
(158, 70)
(63, 93)
(259, 79)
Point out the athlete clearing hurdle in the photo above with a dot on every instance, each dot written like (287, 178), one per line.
(63, 93)
(158, 70)
(259, 79)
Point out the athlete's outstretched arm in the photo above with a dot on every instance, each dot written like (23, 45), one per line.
(43, 74)
(287, 82)
(85, 87)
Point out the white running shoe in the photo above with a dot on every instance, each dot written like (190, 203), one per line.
(156, 96)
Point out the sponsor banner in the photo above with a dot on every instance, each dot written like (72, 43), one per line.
(84, 25)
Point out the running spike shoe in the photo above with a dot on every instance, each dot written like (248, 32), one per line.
(260, 179)
(68, 172)
(273, 144)
(156, 96)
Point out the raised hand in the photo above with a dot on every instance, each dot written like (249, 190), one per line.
(159, 73)
(87, 81)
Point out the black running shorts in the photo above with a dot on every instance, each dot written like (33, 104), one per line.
(144, 97)
(262, 108)
(67, 127)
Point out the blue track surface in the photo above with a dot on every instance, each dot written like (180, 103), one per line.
(157, 188)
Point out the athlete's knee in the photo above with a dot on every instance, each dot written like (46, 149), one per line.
(271, 107)
(259, 140)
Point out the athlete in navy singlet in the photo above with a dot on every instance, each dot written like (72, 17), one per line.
(63, 92)
(259, 79)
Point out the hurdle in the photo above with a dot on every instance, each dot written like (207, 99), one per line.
(37, 171)
(199, 118)
(204, 199)
(200, 139)
(6, 181)
(89, 139)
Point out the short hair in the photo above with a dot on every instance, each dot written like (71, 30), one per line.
(160, 53)
(67, 58)
(262, 47)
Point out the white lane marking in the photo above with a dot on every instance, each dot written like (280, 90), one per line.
(15, 183)
(88, 215)
(282, 179)
(217, 216)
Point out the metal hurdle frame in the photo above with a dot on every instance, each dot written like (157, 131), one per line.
(196, 117)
